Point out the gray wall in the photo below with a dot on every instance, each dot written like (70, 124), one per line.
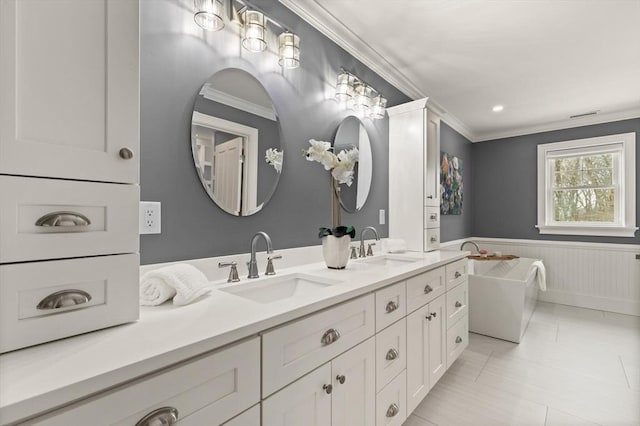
(176, 59)
(454, 227)
(505, 183)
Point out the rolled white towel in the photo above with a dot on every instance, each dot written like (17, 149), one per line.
(184, 283)
(541, 274)
(394, 245)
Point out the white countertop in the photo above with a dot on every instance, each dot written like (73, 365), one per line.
(39, 378)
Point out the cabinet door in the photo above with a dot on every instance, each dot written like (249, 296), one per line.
(418, 372)
(432, 160)
(437, 340)
(353, 400)
(70, 92)
(304, 402)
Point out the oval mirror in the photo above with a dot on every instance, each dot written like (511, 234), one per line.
(235, 140)
(351, 133)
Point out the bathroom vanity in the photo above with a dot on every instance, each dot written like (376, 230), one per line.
(358, 346)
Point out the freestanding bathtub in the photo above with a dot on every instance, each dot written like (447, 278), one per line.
(502, 297)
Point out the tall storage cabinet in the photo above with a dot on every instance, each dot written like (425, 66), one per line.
(414, 175)
(69, 168)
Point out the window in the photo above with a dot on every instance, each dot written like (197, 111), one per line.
(587, 186)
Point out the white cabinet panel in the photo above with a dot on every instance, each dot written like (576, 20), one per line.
(390, 305)
(292, 350)
(432, 160)
(457, 339)
(354, 398)
(456, 273)
(457, 303)
(304, 402)
(391, 353)
(425, 287)
(391, 403)
(432, 217)
(431, 239)
(42, 301)
(111, 211)
(437, 340)
(70, 89)
(251, 417)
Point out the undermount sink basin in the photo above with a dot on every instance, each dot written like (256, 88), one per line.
(388, 260)
(271, 290)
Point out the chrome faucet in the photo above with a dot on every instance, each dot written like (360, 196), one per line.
(252, 263)
(470, 242)
(362, 251)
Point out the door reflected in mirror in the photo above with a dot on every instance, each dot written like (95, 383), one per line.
(352, 133)
(235, 141)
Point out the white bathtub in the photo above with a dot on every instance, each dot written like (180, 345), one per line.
(502, 297)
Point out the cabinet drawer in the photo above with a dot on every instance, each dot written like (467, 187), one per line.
(456, 273)
(390, 305)
(226, 382)
(296, 348)
(457, 303)
(431, 239)
(45, 219)
(431, 217)
(391, 402)
(100, 292)
(391, 353)
(423, 288)
(457, 339)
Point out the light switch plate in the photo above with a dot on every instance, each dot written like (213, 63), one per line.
(382, 217)
(150, 217)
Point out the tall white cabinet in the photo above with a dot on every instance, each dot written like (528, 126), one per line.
(414, 175)
(69, 167)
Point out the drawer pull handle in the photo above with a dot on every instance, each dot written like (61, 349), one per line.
(391, 306)
(393, 410)
(165, 416)
(430, 197)
(434, 239)
(458, 304)
(328, 388)
(428, 289)
(458, 339)
(63, 219)
(433, 217)
(341, 378)
(329, 336)
(125, 153)
(457, 274)
(392, 354)
(63, 299)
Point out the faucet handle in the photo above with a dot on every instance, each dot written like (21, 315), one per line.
(270, 270)
(233, 272)
(369, 249)
(354, 253)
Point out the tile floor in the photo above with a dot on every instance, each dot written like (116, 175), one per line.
(574, 367)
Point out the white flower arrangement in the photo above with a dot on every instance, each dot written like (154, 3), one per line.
(274, 157)
(341, 165)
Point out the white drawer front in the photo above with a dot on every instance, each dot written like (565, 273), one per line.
(251, 417)
(431, 217)
(457, 303)
(457, 339)
(390, 305)
(226, 382)
(423, 288)
(391, 402)
(431, 239)
(99, 292)
(391, 353)
(456, 273)
(43, 219)
(296, 348)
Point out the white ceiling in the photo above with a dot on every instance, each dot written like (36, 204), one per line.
(544, 60)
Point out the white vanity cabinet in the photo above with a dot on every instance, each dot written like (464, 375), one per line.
(69, 166)
(414, 174)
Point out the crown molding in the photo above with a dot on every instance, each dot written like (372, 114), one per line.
(216, 95)
(561, 125)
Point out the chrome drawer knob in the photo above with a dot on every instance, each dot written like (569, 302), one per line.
(341, 379)
(433, 217)
(458, 339)
(428, 289)
(428, 317)
(165, 416)
(125, 153)
(328, 388)
(392, 354)
(391, 306)
(458, 304)
(434, 239)
(329, 337)
(393, 410)
(457, 274)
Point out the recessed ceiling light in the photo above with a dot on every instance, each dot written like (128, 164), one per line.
(497, 108)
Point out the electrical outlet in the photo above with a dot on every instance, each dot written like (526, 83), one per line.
(149, 217)
(382, 217)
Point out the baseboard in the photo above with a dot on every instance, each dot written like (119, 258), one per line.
(628, 307)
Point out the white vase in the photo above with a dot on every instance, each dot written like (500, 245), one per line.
(336, 251)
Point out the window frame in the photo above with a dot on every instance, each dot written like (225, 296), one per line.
(625, 208)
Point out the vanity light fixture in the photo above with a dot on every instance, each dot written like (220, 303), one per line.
(362, 99)
(355, 94)
(379, 107)
(344, 87)
(208, 14)
(289, 50)
(253, 31)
